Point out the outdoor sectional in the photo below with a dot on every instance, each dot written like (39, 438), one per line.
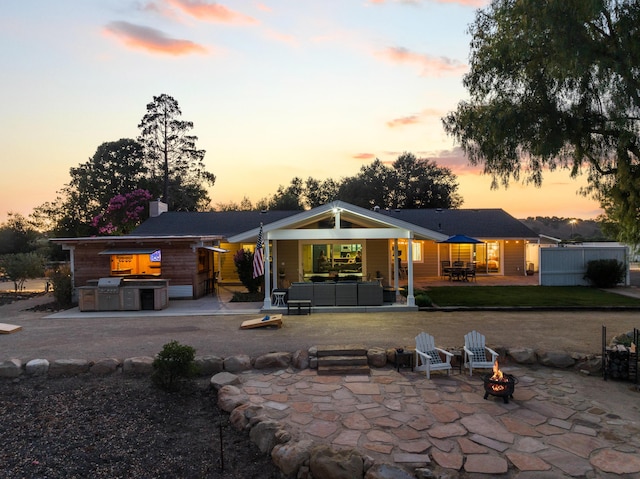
(338, 294)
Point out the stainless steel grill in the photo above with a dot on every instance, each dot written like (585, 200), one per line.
(109, 285)
(109, 294)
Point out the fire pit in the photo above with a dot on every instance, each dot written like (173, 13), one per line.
(499, 385)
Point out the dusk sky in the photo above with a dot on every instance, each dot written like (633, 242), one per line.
(275, 89)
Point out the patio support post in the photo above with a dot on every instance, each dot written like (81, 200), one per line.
(411, 300)
(267, 273)
(395, 265)
(274, 263)
(72, 266)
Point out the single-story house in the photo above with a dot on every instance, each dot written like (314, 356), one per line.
(193, 250)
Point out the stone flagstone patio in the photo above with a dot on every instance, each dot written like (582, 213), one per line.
(559, 423)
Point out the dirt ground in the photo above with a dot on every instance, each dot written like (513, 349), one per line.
(115, 427)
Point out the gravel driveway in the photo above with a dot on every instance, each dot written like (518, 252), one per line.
(96, 338)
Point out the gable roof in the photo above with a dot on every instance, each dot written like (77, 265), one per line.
(354, 222)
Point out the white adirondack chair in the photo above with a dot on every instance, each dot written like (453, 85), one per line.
(475, 352)
(428, 357)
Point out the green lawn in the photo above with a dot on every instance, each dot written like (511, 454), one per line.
(509, 296)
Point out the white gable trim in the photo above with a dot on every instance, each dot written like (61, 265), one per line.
(293, 226)
(340, 234)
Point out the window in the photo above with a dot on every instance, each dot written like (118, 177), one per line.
(416, 250)
(331, 259)
(488, 257)
(136, 264)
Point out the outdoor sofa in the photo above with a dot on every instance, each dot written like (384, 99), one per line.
(342, 293)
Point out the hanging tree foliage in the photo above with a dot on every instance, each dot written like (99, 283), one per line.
(556, 83)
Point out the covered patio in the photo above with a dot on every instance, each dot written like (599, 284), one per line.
(305, 239)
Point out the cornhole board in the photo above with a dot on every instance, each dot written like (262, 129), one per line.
(269, 320)
(9, 328)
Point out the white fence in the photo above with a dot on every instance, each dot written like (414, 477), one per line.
(567, 266)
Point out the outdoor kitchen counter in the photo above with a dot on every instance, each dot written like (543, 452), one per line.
(124, 295)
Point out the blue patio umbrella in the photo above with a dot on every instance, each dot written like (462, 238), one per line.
(461, 239)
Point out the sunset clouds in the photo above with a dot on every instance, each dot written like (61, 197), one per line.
(275, 89)
(151, 40)
(429, 65)
(364, 156)
(211, 11)
(413, 119)
(156, 41)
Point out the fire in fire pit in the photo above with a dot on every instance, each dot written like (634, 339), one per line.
(499, 385)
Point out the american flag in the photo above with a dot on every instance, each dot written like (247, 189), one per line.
(258, 256)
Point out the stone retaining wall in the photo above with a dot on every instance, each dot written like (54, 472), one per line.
(378, 357)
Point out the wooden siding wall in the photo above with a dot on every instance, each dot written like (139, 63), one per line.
(179, 262)
(513, 257)
(89, 264)
(378, 259)
(287, 253)
(429, 265)
(228, 272)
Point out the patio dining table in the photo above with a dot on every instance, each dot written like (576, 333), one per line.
(457, 273)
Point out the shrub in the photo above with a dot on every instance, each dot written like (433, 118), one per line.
(173, 366)
(62, 288)
(244, 297)
(20, 267)
(422, 300)
(421, 297)
(605, 273)
(243, 260)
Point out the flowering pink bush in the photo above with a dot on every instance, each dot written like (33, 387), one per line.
(123, 214)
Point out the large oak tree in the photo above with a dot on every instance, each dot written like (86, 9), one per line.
(115, 168)
(409, 182)
(555, 83)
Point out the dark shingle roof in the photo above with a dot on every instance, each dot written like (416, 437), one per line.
(223, 223)
(477, 223)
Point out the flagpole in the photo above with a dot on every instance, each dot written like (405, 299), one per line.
(267, 274)
(262, 269)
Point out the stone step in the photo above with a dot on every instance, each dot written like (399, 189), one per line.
(341, 350)
(343, 370)
(342, 361)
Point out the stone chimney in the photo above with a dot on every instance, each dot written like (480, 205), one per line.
(156, 208)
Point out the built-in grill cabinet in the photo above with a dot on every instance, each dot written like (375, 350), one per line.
(122, 294)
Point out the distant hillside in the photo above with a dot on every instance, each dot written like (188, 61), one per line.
(566, 229)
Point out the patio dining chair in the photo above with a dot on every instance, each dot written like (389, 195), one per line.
(429, 357)
(475, 352)
(470, 272)
(445, 267)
